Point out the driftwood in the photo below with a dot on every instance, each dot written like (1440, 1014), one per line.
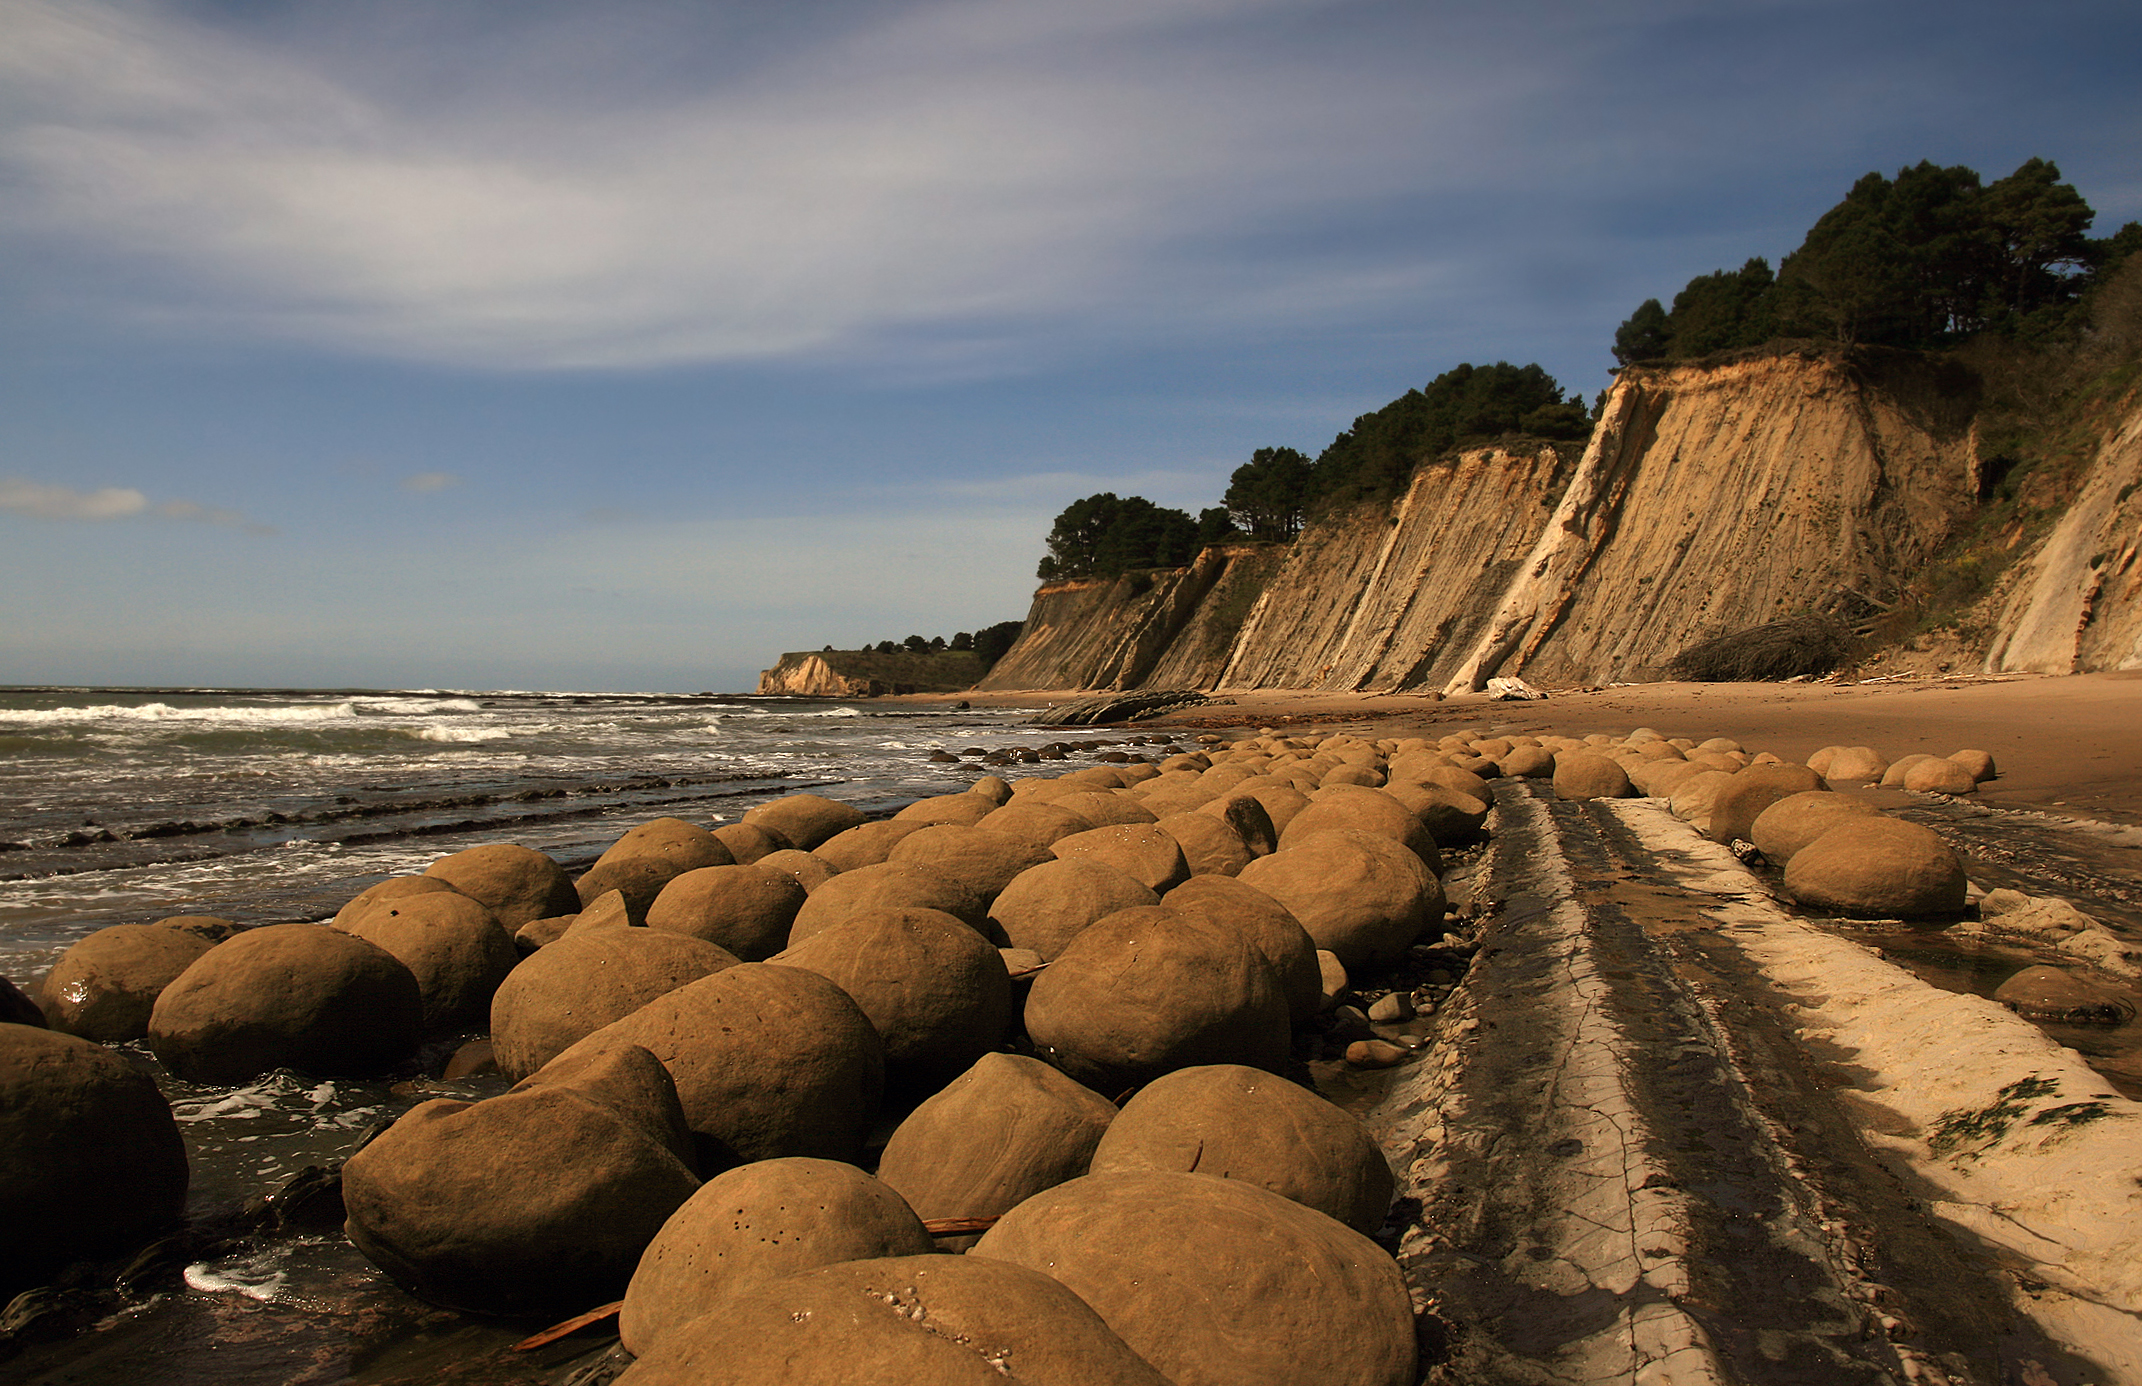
(1117, 707)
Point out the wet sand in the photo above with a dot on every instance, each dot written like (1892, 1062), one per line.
(2068, 745)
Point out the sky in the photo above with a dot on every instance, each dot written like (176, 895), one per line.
(552, 345)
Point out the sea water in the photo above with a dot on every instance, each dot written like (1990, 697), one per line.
(267, 805)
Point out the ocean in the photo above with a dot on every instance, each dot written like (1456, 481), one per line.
(267, 805)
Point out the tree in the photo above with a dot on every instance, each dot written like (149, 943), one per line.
(915, 644)
(1215, 526)
(885, 647)
(2037, 227)
(964, 640)
(1268, 494)
(1105, 536)
(1464, 405)
(1643, 336)
(991, 642)
(937, 642)
(1722, 310)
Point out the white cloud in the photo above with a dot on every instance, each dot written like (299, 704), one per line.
(42, 501)
(956, 164)
(45, 501)
(426, 482)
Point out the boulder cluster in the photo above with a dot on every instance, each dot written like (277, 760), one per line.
(993, 1085)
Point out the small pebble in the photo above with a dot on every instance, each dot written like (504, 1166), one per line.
(1373, 1054)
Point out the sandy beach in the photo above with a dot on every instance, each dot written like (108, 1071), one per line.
(2068, 745)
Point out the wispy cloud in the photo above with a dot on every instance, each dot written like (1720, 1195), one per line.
(426, 482)
(46, 501)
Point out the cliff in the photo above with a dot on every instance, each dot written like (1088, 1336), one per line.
(869, 674)
(1709, 499)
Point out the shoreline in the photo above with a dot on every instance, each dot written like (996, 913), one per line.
(2065, 744)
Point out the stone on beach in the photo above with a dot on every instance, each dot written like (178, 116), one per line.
(935, 990)
(537, 1201)
(806, 820)
(1210, 847)
(1782, 829)
(300, 996)
(1241, 1123)
(1265, 925)
(1039, 824)
(1149, 990)
(1589, 775)
(400, 887)
(1045, 906)
(982, 860)
(865, 844)
(1939, 775)
(1878, 868)
(1359, 894)
(768, 1061)
(759, 1222)
(90, 1158)
(452, 944)
(1979, 763)
(1359, 808)
(1140, 850)
(572, 988)
(1734, 809)
(889, 885)
(104, 987)
(901, 1321)
(751, 842)
(517, 884)
(960, 810)
(993, 1137)
(746, 910)
(1217, 1282)
(647, 857)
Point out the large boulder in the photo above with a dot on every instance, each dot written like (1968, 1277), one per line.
(647, 857)
(1150, 990)
(751, 842)
(993, 1137)
(962, 810)
(1251, 821)
(1782, 829)
(1734, 810)
(1878, 868)
(935, 990)
(1356, 808)
(570, 989)
(768, 1061)
(1449, 816)
(1940, 775)
(538, 1201)
(865, 844)
(890, 885)
(759, 1222)
(517, 884)
(1210, 846)
(1265, 925)
(746, 910)
(1589, 775)
(400, 887)
(806, 820)
(1217, 1282)
(900, 1321)
(983, 861)
(104, 987)
(806, 869)
(453, 945)
(90, 1159)
(1242, 1123)
(1045, 906)
(1139, 850)
(300, 996)
(1360, 895)
(1040, 824)
(1106, 809)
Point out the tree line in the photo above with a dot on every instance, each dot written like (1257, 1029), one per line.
(1927, 260)
(990, 642)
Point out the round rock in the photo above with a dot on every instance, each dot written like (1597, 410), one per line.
(1878, 868)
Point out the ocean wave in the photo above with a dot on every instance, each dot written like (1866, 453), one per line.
(464, 735)
(164, 712)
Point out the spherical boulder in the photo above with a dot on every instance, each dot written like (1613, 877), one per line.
(1106, 809)
(1893, 777)
(935, 990)
(759, 1222)
(647, 857)
(104, 987)
(574, 987)
(1449, 816)
(1360, 895)
(1979, 763)
(1692, 798)
(300, 996)
(982, 860)
(538, 1201)
(90, 1158)
(899, 1321)
(1140, 850)
(1855, 764)
(1210, 846)
(1752, 790)
(1589, 775)
(396, 888)
(806, 869)
(1045, 906)
(453, 945)
(993, 1137)
(517, 884)
(1217, 1282)
(806, 820)
(1249, 819)
(865, 844)
(751, 842)
(768, 1061)
(1035, 822)
(745, 910)
(1529, 762)
(962, 810)
(1878, 868)
(1781, 830)
(1149, 990)
(890, 885)
(1265, 925)
(1939, 775)
(1241, 1123)
(1353, 807)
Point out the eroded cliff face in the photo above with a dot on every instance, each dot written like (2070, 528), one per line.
(2075, 605)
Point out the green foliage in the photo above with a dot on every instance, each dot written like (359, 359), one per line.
(1467, 404)
(1267, 495)
(1644, 335)
(1724, 310)
(1216, 526)
(991, 642)
(1105, 536)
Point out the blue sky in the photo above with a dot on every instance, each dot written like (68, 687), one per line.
(625, 346)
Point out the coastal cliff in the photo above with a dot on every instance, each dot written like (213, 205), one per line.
(869, 673)
(1709, 499)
